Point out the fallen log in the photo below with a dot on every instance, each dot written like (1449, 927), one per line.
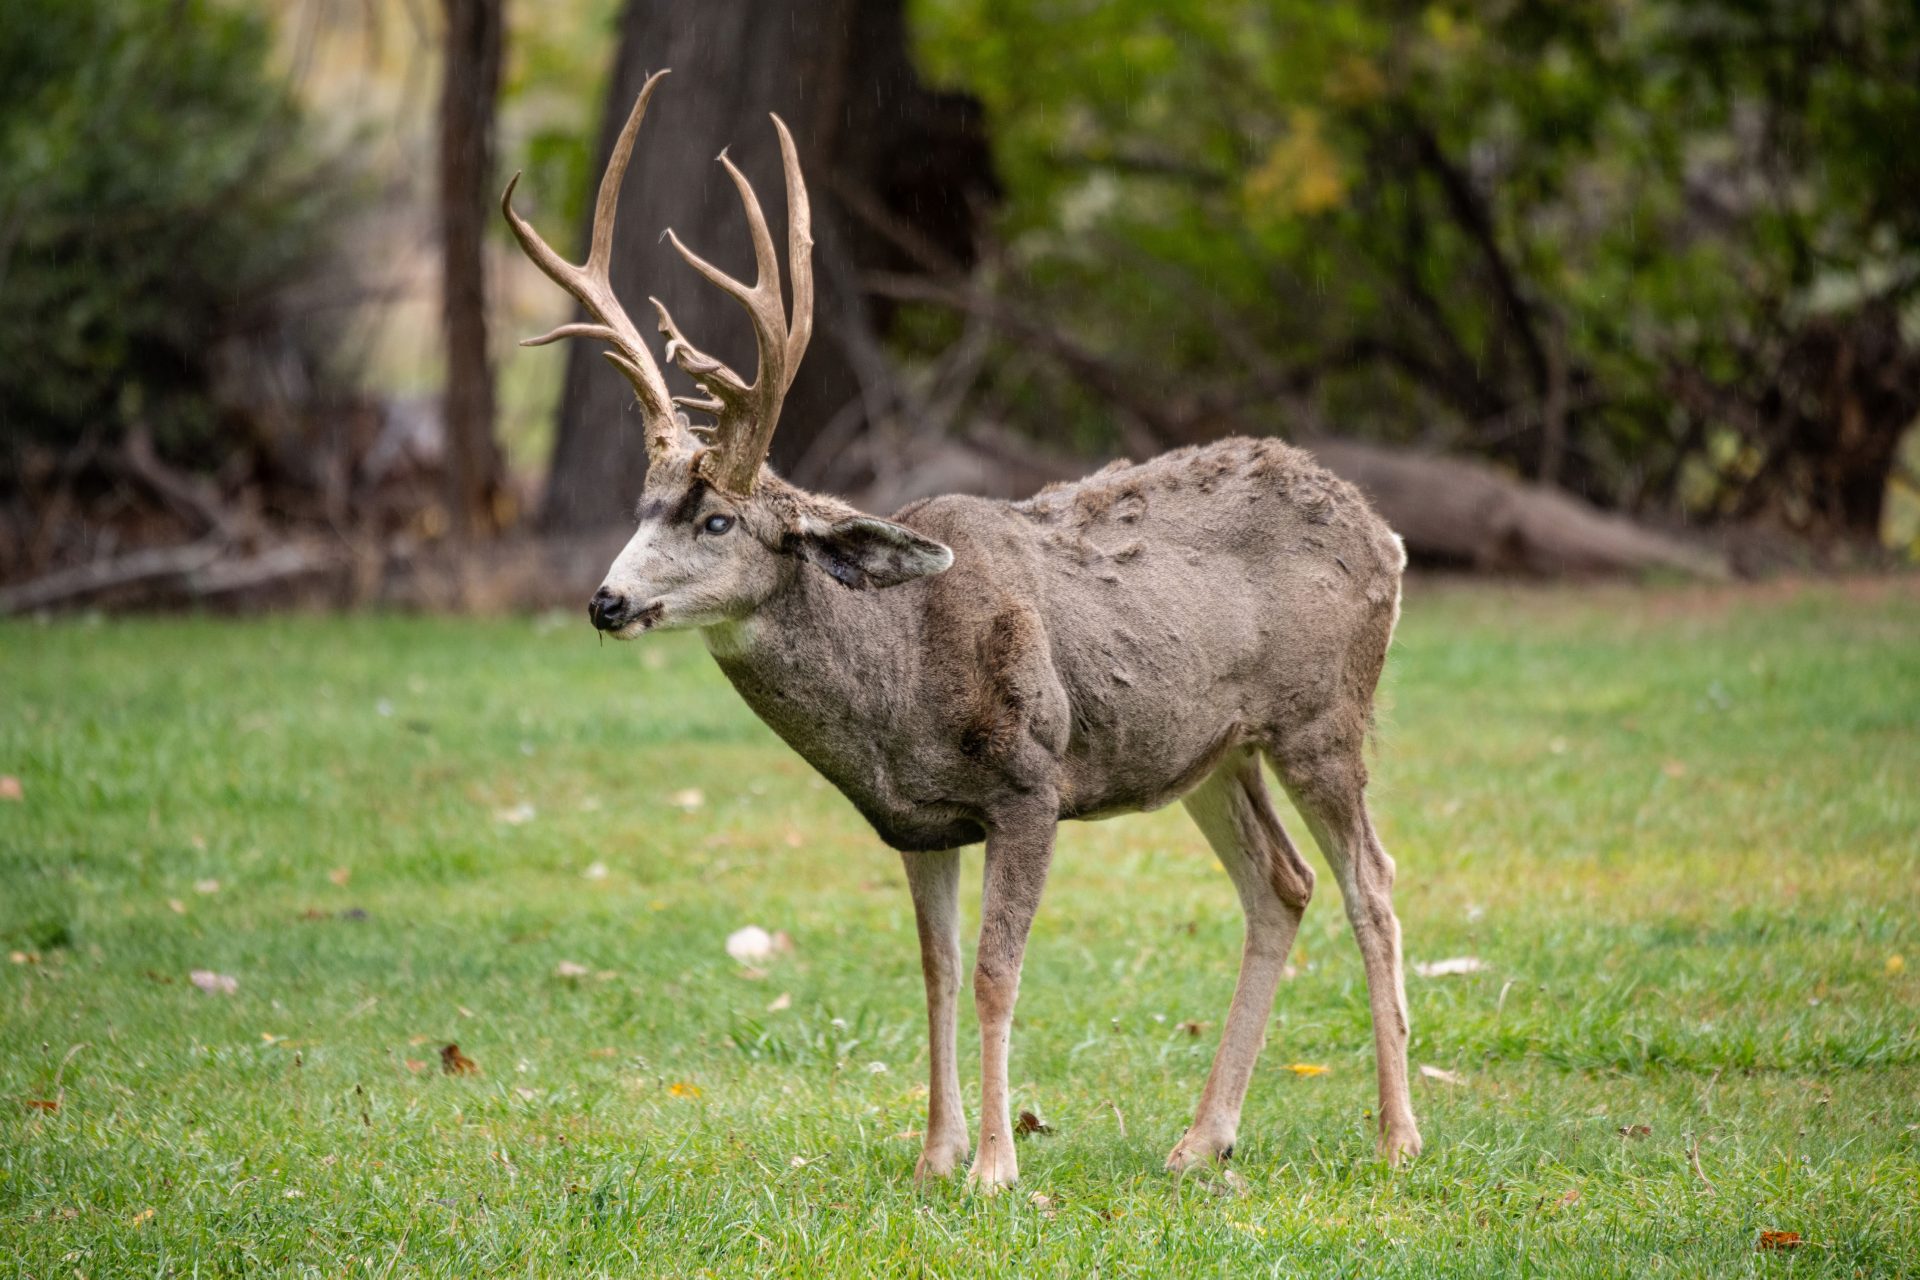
(1455, 511)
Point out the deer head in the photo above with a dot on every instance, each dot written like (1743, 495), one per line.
(718, 532)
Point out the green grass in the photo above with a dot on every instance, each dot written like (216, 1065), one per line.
(1678, 825)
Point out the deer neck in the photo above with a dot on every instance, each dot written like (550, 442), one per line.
(828, 669)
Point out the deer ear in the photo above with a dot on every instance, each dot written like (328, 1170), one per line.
(863, 552)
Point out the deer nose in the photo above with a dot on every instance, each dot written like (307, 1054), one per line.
(608, 610)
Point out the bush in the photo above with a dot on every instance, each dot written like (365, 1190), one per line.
(156, 198)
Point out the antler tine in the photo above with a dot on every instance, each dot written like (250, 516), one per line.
(746, 415)
(592, 285)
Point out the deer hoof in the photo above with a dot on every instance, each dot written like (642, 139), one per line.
(1199, 1148)
(940, 1158)
(995, 1167)
(1399, 1143)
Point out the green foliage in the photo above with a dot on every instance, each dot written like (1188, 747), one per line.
(1679, 826)
(1466, 222)
(154, 199)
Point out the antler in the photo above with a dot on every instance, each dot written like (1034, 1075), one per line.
(745, 415)
(590, 283)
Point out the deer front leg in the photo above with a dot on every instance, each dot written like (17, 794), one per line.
(934, 879)
(1018, 855)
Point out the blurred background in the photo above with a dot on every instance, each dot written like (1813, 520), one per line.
(1569, 288)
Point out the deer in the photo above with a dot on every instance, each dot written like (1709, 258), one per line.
(972, 671)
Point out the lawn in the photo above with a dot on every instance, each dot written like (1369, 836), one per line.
(1677, 826)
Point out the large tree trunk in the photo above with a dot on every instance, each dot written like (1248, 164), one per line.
(469, 95)
(893, 170)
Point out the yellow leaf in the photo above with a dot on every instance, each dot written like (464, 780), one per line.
(681, 1089)
(1895, 963)
(1307, 1068)
(1301, 173)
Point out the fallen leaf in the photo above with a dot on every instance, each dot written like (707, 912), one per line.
(1895, 963)
(208, 885)
(1030, 1123)
(340, 876)
(1307, 1068)
(1572, 1197)
(681, 1089)
(569, 969)
(1635, 1130)
(1449, 967)
(603, 1053)
(1192, 1027)
(44, 1104)
(689, 800)
(214, 983)
(782, 1001)
(456, 1063)
(751, 944)
(314, 913)
(416, 1065)
(1779, 1240)
(1442, 1075)
(10, 788)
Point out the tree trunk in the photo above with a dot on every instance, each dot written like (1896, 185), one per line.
(893, 169)
(469, 94)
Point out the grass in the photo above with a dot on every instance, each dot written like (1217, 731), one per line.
(1679, 826)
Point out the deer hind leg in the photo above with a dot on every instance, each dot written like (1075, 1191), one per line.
(934, 879)
(1274, 883)
(1329, 789)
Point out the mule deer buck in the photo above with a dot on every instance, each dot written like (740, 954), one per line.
(975, 670)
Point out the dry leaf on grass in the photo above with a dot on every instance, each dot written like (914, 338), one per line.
(214, 983)
(1450, 967)
(569, 969)
(1572, 1197)
(10, 788)
(1307, 1068)
(43, 1104)
(1442, 1074)
(1635, 1130)
(415, 1065)
(782, 1001)
(456, 1063)
(1030, 1123)
(340, 876)
(1780, 1240)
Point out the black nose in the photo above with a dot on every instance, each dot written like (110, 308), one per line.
(608, 610)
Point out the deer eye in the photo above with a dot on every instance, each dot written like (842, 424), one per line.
(717, 524)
